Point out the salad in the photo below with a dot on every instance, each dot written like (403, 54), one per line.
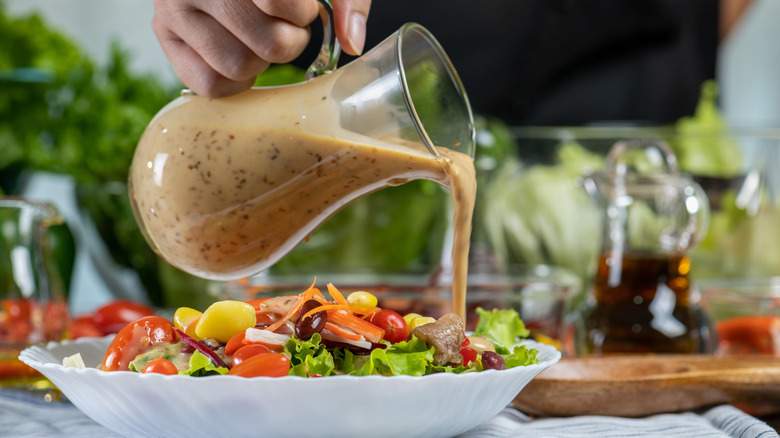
(311, 335)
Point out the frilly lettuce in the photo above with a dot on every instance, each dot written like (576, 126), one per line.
(702, 144)
(200, 365)
(412, 358)
(309, 358)
(504, 328)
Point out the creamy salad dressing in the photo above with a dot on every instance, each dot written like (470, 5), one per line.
(224, 188)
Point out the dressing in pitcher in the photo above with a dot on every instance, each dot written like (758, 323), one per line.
(223, 188)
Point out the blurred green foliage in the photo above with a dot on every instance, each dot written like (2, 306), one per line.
(61, 112)
(703, 144)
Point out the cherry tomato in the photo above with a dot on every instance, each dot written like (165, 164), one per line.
(115, 315)
(161, 365)
(236, 342)
(262, 365)
(469, 355)
(16, 324)
(84, 327)
(248, 351)
(17, 309)
(392, 323)
(136, 338)
(750, 335)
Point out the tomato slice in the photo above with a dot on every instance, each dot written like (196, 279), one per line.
(161, 365)
(262, 365)
(136, 338)
(248, 351)
(469, 355)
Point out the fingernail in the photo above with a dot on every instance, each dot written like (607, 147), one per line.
(357, 32)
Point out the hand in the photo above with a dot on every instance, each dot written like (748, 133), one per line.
(218, 47)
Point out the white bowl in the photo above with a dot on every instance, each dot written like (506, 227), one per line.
(438, 405)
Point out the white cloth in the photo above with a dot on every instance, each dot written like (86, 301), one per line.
(22, 416)
(721, 421)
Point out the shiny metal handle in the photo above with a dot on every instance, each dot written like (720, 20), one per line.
(328, 58)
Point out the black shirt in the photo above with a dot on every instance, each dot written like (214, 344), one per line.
(559, 62)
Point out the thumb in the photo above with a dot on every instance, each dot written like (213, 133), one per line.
(349, 23)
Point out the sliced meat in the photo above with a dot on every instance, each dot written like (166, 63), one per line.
(446, 336)
(278, 305)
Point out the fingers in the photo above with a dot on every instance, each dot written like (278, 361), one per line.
(276, 31)
(299, 13)
(218, 47)
(195, 72)
(349, 22)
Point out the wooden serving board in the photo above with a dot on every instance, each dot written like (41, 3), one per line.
(640, 385)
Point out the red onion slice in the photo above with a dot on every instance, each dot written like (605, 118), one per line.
(206, 351)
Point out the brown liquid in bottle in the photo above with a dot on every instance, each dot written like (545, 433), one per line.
(643, 304)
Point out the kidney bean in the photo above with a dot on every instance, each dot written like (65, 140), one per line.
(492, 361)
(305, 328)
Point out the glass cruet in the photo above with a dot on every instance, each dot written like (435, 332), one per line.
(642, 299)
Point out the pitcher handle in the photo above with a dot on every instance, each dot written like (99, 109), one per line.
(328, 58)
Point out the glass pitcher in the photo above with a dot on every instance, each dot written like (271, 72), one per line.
(642, 299)
(32, 305)
(223, 188)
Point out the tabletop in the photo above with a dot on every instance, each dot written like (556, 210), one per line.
(22, 416)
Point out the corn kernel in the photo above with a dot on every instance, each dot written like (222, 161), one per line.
(421, 320)
(362, 300)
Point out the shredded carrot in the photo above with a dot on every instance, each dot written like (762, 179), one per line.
(370, 313)
(302, 298)
(337, 295)
(358, 325)
(344, 333)
(325, 307)
(317, 295)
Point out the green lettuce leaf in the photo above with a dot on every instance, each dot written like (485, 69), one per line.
(703, 144)
(521, 356)
(502, 327)
(473, 366)
(411, 358)
(346, 361)
(309, 358)
(201, 365)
